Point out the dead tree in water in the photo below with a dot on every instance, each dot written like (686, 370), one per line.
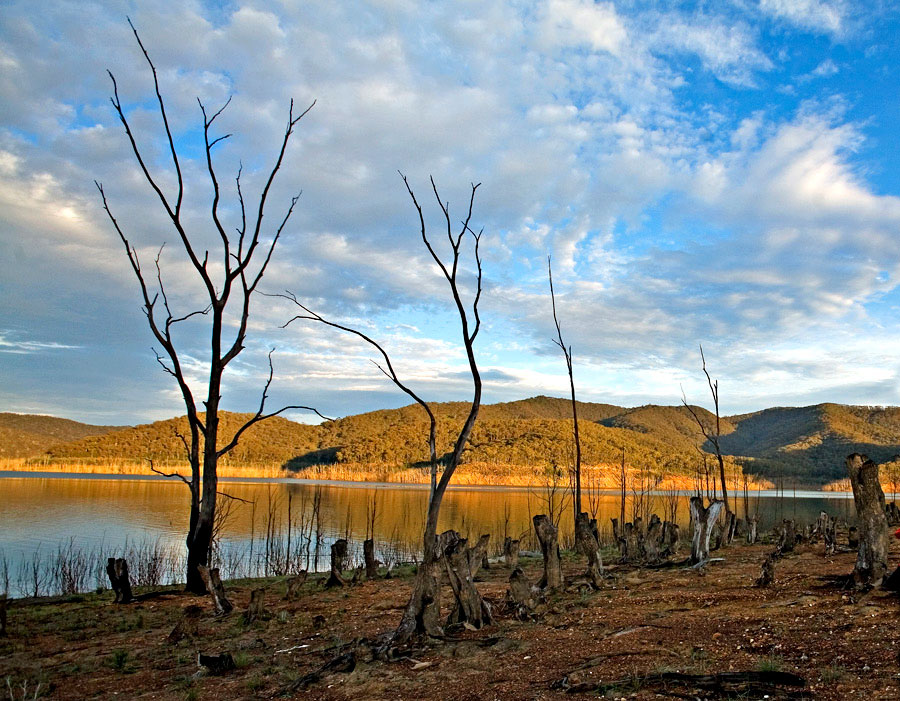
(548, 537)
(421, 616)
(871, 558)
(713, 434)
(567, 353)
(702, 521)
(227, 288)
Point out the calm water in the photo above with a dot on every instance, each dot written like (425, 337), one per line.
(41, 514)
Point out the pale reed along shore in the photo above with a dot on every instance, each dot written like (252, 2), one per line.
(602, 477)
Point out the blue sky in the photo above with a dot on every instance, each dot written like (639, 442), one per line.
(717, 173)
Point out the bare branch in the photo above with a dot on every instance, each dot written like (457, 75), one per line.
(168, 474)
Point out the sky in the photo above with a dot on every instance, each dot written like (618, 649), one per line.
(724, 174)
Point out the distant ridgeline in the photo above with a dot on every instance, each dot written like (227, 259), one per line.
(808, 443)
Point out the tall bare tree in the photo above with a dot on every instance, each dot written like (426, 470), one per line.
(422, 613)
(243, 260)
(712, 433)
(567, 353)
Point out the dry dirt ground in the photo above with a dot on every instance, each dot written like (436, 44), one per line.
(642, 624)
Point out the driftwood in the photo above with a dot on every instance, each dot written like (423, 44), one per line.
(522, 596)
(871, 557)
(587, 544)
(767, 575)
(338, 561)
(369, 559)
(256, 609)
(216, 589)
(293, 585)
(216, 664)
(117, 571)
(470, 607)
(187, 626)
(511, 552)
(702, 520)
(547, 535)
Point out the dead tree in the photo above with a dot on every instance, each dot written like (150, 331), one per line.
(421, 616)
(216, 589)
(227, 288)
(871, 558)
(470, 608)
(117, 571)
(702, 521)
(511, 552)
(369, 558)
(477, 554)
(567, 353)
(587, 544)
(713, 434)
(338, 563)
(548, 537)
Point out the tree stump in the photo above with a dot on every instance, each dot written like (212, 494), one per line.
(587, 544)
(216, 589)
(740, 528)
(671, 538)
(630, 544)
(369, 558)
(853, 537)
(216, 664)
(187, 626)
(511, 552)
(470, 607)
(871, 557)
(893, 513)
(615, 530)
(256, 609)
(752, 529)
(702, 520)
(338, 560)
(547, 535)
(521, 596)
(767, 576)
(653, 542)
(294, 584)
(828, 533)
(117, 571)
(787, 536)
(477, 554)
(729, 528)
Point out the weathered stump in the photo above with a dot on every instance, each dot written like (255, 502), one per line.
(216, 664)
(187, 626)
(369, 558)
(256, 609)
(871, 557)
(587, 544)
(292, 590)
(893, 513)
(547, 535)
(511, 552)
(216, 589)
(828, 533)
(630, 544)
(729, 527)
(653, 542)
(671, 537)
(787, 536)
(853, 537)
(740, 528)
(470, 607)
(716, 537)
(522, 596)
(767, 575)
(702, 521)
(117, 571)
(477, 554)
(615, 530)
(753, 529)
(338, 560)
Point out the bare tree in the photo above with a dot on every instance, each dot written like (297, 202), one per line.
(567, 353)
(243, 260)
(421, 616)
(711, 433)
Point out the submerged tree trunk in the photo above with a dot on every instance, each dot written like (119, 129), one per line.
(547, 535)
(702, 521)
(587, 544)
(871, 558)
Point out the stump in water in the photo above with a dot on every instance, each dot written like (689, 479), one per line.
(547, 535)
(787, 536)
(294, 584)
(369, 558)
(511, 552)
(521, 596)
(216, 589)
(871, 557)
(767, 576)
(338, 558)
(187, 626)
(702, 520)
(117, 571)
(470, 607)
(587, 544)
(257, 607)
(477, 554)
(753, 529)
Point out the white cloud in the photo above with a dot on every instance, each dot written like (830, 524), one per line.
(825, 16)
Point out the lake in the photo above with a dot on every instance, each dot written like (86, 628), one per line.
(56, 530)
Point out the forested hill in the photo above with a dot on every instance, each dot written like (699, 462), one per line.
(808, 443)
(23, 435)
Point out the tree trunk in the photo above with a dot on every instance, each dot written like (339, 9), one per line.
(511, 552)
(787, 536)
(753, 529)
(702, 521)
(338, 561)
(615, 529)
(294, 584)
(369, 557)
(652, 545)
(729, 528)
(257, 607)
(477, 554)
(630, 544)
(587, 544)
(117, 571)
(827, 527)
(871, 558)
(422, 614)
(216, 589)
(470, 607)
(547, 535)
